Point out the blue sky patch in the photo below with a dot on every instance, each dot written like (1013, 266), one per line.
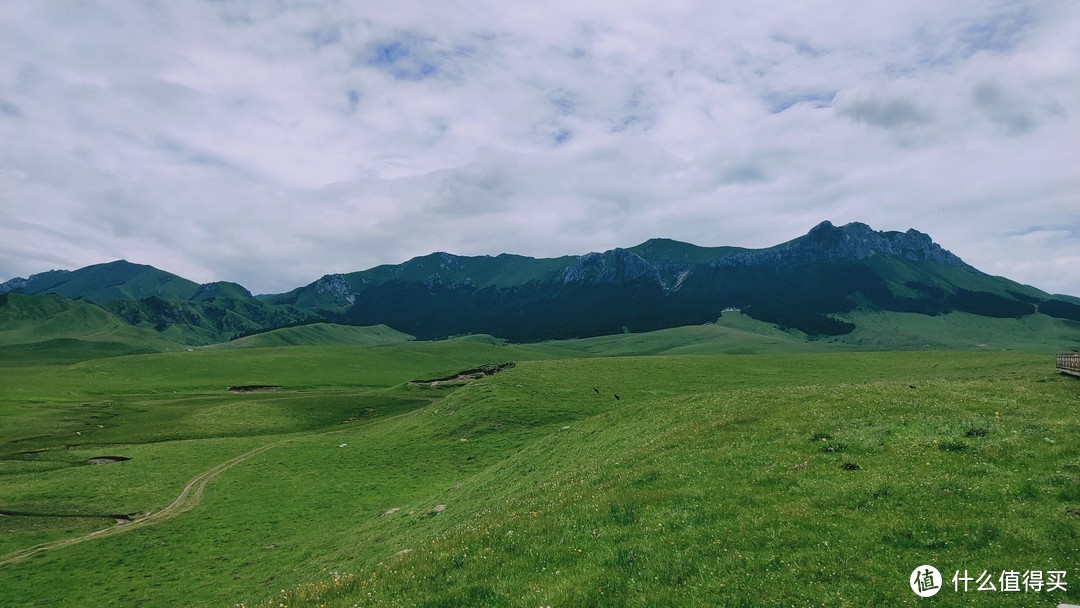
(408, 58)
(9, 109)
(999, 34)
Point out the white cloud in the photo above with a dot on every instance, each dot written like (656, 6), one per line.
(270, 143)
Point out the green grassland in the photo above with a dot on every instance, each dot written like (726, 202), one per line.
(959, 330)
(739, 466)
(50, 328)
(320, 334)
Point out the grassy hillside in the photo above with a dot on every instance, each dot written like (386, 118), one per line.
(733, 333)
(806, 479)
(321, 334)
(119, 280)
(793, 494)
(221, 289)
(337, 292)
(214, 319)
(68, 330)
(958, 330)
(737, 333)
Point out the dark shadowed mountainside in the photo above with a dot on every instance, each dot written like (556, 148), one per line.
(664, 283)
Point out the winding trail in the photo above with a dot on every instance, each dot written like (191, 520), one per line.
(188, 499)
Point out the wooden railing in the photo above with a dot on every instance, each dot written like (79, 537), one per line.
(1069, 364)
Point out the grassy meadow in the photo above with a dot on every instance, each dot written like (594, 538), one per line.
(736, 468)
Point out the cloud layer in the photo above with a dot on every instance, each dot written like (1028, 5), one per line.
(269, 143)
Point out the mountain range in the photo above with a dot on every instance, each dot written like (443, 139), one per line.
(810, 285)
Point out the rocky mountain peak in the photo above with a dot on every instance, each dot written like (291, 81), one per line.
(858, 241)
(617, 265)
(854, 241)
(338, 288)
(15, 284)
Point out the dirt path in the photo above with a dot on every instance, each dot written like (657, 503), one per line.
(189, 497)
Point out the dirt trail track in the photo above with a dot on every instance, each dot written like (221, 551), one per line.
(189, 497)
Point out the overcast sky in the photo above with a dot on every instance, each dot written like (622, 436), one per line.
(269, 143)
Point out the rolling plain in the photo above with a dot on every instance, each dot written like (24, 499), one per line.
(725, 464)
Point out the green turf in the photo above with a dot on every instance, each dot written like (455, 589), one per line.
(63, 330)
(819, 478)
(318, 334)
(958, 330)
(733, 333)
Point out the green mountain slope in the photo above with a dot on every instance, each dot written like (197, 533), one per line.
(51, 327)
(799, 285)
(173, 308)
(210, 320)
(815, 285)
(220, 289)
(320, 334)
(734, 333)
(959, 330)
(119, 280)
(337, 292)
(737, 333)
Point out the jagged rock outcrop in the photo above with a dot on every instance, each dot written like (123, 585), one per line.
(337, 287)
(615, 266)
(15, 284)
(854, 241)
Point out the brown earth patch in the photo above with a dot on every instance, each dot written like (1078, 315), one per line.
(107, 459)
(248, 388)
(470, 374)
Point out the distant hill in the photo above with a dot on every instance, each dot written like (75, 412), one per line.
(803, 284)
(821, 285)
(220, 289)
(120, 280)
(43, 326)
(321, 334)
(172, 307)
(736, 333)
(209, 319)
(338, 292)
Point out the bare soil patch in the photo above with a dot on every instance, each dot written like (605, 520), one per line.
(107, 459)
(470, 374)
(249, 388)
